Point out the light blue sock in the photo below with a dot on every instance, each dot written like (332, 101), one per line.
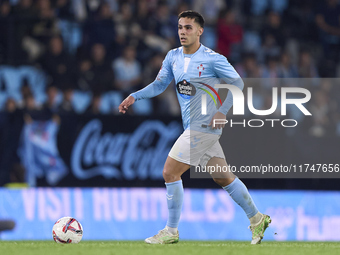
(239, 192)
(174, 198)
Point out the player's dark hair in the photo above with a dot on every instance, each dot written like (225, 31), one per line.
(192, 15)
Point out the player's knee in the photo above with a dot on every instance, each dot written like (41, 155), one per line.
(223, 181)
(169, 176)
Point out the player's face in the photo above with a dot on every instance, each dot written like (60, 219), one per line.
(189, 31)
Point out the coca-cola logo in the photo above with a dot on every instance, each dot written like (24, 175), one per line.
(140, 154)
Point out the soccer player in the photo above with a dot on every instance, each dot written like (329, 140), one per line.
(196, 69)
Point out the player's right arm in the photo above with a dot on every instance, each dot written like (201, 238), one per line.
(155, 88)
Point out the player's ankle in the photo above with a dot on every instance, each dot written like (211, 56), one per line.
(171, 230)
(256, 219)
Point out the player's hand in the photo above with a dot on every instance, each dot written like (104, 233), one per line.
(124, 106)
(220, 121)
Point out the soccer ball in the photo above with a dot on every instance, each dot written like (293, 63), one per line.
(67, 230)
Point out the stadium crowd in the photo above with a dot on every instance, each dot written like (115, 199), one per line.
(92, 53)
(102, 46)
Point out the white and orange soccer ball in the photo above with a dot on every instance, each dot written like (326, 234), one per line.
(67, 230)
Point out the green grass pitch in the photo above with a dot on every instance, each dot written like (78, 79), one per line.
(183, 247)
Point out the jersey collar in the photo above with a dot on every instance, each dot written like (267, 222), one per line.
(193, 54)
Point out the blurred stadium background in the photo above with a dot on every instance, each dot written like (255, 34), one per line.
(65, 66)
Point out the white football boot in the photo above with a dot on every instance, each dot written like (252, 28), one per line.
(163, 237)
(258, 229)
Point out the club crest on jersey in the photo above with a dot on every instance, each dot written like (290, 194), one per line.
(200, 69)
(185, 89)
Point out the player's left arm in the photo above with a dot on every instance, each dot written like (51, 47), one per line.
(225, 71)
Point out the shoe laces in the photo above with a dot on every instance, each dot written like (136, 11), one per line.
(161, 233)
(253, 230)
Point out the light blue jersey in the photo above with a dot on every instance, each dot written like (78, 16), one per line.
(195, 75)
